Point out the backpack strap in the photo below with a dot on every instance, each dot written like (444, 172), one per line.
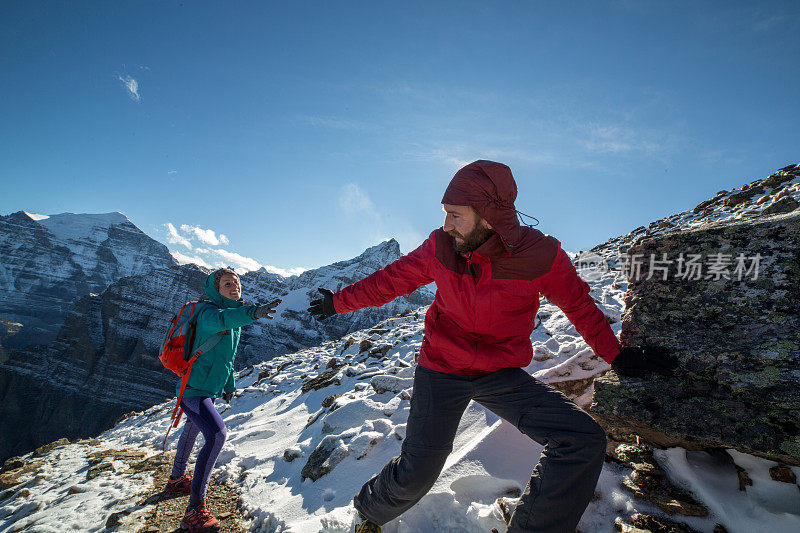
(209, 344)
(178, 412)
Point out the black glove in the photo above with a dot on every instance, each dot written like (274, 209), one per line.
(266, 310)
(323, 307)
(638, 361)
(227, 396)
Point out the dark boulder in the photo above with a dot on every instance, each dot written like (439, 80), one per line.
(737, 336)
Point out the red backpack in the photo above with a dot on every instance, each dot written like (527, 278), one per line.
(178, 353)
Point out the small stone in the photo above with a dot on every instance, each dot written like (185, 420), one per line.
(98, 469)
(115, 519)
(332, 362)
(388, 383)
(327, 402)
(329, 452)
(290, 454)
(41, 450)
(12, 464)
(323, 380)
(364, 345)
(784, 205)
(782, 474)
(11, 478)
(224, 516)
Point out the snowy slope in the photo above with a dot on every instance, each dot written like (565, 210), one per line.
(271, 416)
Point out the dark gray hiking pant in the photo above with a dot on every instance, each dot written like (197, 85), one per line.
(562, 482)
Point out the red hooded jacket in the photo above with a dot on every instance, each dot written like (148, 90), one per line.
(486, 301)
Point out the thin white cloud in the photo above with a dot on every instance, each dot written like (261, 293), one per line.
(174, 237)
(614, 139)
(332, 123)
(188, 259)
(244, 264)
(132, 86)
(237, 260)
(216, 257)
(362, 214)
(284, 271)
(206, 236)
(354, 200)
(172, 172)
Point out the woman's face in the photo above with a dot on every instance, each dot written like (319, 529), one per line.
(230, 287)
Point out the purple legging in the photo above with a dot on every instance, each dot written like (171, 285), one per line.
(201, 416)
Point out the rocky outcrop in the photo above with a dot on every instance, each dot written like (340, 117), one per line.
(735, 328)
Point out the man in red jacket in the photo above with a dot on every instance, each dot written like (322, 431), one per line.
(489, 272)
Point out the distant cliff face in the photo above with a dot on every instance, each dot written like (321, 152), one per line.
(87, 300)
(46, 264)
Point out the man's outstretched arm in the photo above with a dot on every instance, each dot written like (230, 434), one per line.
(563, 287)
(401, 277)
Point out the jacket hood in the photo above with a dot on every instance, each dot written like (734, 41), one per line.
(214, 295)
(490, 189)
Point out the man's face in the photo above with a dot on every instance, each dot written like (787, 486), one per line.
(230, 287)
(466, 227)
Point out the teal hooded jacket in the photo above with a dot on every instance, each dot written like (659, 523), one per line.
(212, 373)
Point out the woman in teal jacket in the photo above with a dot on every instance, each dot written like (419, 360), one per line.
(224, 314)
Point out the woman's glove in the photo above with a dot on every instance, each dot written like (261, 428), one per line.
(638, 361)
(323, 307)
(267, 310)
(227, 396)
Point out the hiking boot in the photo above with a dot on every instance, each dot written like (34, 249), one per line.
(179, 484)
(362, 525)
(199, 520)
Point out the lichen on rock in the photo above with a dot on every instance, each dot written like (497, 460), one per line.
(737, 339)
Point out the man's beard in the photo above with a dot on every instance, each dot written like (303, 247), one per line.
(472, 240)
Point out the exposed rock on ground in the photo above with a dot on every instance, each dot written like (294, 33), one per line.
(737, 338)
(168, 509)
(648, 481)
(328, 453)
(322, 380)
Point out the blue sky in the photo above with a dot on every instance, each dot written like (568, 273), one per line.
(305, 132)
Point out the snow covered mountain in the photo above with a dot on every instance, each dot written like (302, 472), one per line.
(87, 302)
(48, 262)
(306, 429)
